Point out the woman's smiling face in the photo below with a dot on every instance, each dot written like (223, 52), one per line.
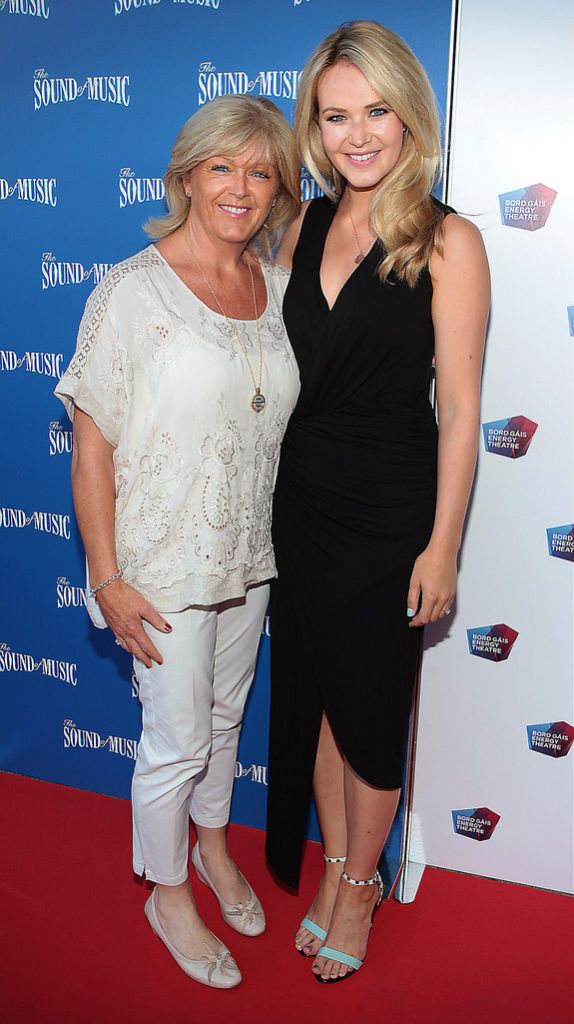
(231, 196)
(362, 137)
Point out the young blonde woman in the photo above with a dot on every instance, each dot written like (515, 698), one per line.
(180, 389)
(371, 498)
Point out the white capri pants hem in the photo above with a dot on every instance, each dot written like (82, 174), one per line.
(192, 714)
(144, 870)
(212, 823)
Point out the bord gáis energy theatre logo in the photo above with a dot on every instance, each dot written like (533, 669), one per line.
(552, 738)
(511, 437)
(491, 642)
(560, 541)
(527, 208)
(475, 822)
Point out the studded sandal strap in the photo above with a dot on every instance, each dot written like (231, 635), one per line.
(362, 881)
(375, 880)
(334, 860)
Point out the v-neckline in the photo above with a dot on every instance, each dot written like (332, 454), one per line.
(216, 312)
(347, 279)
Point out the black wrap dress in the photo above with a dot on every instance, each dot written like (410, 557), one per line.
(354, 507)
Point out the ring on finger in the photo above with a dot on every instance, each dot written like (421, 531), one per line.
(120, 643)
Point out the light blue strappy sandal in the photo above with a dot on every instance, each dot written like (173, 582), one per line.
(336, 954)
(310, 925)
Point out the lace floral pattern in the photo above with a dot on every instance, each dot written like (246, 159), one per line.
(222, 513)
(267, 448)
(98, 304)
(166, 381)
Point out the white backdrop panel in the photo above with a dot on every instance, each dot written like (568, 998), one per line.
(510, 130)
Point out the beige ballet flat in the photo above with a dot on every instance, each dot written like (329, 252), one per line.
(218, 970)
(247, 916)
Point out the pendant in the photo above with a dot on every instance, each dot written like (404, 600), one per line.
(359, 258)
(258, 401)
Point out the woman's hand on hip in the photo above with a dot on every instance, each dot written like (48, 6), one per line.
(433, 585)
(125, 612)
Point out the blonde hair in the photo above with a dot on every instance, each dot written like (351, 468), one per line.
(228, 125)
(403, 214)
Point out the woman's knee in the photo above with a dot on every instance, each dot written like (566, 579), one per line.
(188, 754)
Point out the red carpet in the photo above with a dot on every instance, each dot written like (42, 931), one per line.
(76, 946)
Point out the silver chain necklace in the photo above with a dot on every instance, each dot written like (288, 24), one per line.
(258, 400)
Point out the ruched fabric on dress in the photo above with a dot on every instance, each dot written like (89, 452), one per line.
(354, 507)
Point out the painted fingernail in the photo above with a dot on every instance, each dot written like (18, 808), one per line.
(168, 628)
(410, 612)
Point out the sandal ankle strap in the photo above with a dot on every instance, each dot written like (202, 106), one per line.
(334, 860)
(375, 880)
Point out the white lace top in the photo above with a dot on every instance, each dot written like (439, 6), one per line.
(166, 382)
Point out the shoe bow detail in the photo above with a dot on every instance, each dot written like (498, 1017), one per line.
(247, 916)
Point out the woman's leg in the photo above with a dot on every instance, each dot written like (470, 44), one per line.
(328, 789)
(239, 626)
(369, 813)
(174, 748)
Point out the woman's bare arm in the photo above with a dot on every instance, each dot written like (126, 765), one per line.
(285, 252)
(93, 488)
(461, 300)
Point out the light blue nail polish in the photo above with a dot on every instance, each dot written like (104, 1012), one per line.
(410, 612)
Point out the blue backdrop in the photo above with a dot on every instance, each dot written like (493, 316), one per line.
(92, 97)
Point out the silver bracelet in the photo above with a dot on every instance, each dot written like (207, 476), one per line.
(117, 576)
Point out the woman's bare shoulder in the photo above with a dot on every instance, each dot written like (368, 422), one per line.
(284, 257)
(462, 245)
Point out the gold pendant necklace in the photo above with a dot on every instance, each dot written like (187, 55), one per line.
(360, 255)
(258, 400)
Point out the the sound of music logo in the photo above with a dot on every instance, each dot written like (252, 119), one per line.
(54, 668)
(275, 84)
(60, 440)
(89, 739)
(309, 187)
(255, 772)
(34, 8)
(133, 189)
(55, 523)
(125, 6)
(46, 364)
(42, 191)
(69, 596)
(60, 273)
(50, 90)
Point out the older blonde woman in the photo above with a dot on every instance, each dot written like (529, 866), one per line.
(180, 389)
(369, 502)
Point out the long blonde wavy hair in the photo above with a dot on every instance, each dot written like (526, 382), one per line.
(227, 126)
(402, 215)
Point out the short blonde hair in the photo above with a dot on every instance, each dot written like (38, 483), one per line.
(403, 214)
(229, 125)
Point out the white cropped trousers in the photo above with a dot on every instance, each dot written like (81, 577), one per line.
(192, 713)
